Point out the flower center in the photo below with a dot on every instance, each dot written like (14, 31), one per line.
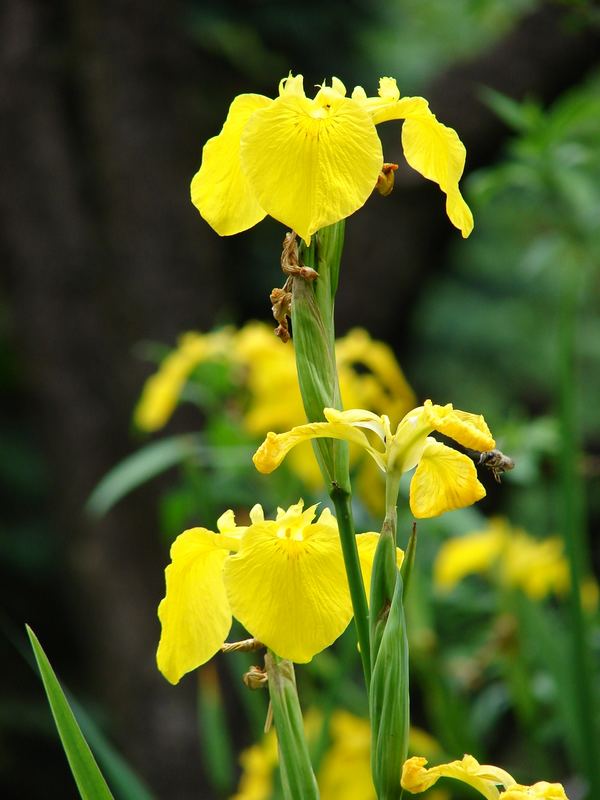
(290, 534)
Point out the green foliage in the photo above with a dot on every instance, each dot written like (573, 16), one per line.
(89, 779)
(415, 40)
(537, 214)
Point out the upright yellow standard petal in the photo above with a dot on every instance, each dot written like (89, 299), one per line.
(287, 586)
(220, 190)
(539, 791)
(437, 153)
(443, 481)
(194, 614)
(311, 165)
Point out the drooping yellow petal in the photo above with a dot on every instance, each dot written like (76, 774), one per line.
(470, 430)
(287, 586)
(541, 790)
(194, 614)
(277, 445)
(220, 190)
(367, 544)
(438, 154)
(444, 480)
(311, 165)
(430, 147)
(416, 777)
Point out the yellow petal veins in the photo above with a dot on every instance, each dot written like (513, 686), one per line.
(311, 165)
(443, 481)
(287, 585)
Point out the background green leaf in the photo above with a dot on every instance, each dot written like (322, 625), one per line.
(89, 779)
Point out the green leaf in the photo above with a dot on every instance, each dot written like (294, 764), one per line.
(89, 779)
(138, 468)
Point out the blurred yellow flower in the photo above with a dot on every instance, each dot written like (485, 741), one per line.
(283, 579)
(163, 389)
(474, 553)
(537, 567)
(264, 372)
(369, 376)
(258, 764)
(444, 478)
(346, 767)
(312, 162)
(345, 772)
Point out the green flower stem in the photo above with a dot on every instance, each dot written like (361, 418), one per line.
(297, 776)
(314, 339)
(343, 510)
(574, 533)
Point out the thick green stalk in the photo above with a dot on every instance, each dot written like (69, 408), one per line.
(297, 776)
(343, 509)
(313, 330)
(574, 534)
(314, 341)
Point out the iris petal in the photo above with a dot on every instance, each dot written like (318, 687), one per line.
(220, 190)
(288, 587)
(311, 165)
(194, 614)
(438, 154)
(277, 445)
(443, 481)
(468, 429)
(539, 791)
(416, 777)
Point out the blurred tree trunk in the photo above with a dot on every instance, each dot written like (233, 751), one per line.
(100, 135)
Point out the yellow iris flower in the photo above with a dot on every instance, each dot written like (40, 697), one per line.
(312, 162)
(486, 779)
(444, 479)
(283, 579)
(536, 566)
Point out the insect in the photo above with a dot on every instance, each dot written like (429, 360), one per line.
(496, 462)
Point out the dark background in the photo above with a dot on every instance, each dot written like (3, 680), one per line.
(104, 108)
